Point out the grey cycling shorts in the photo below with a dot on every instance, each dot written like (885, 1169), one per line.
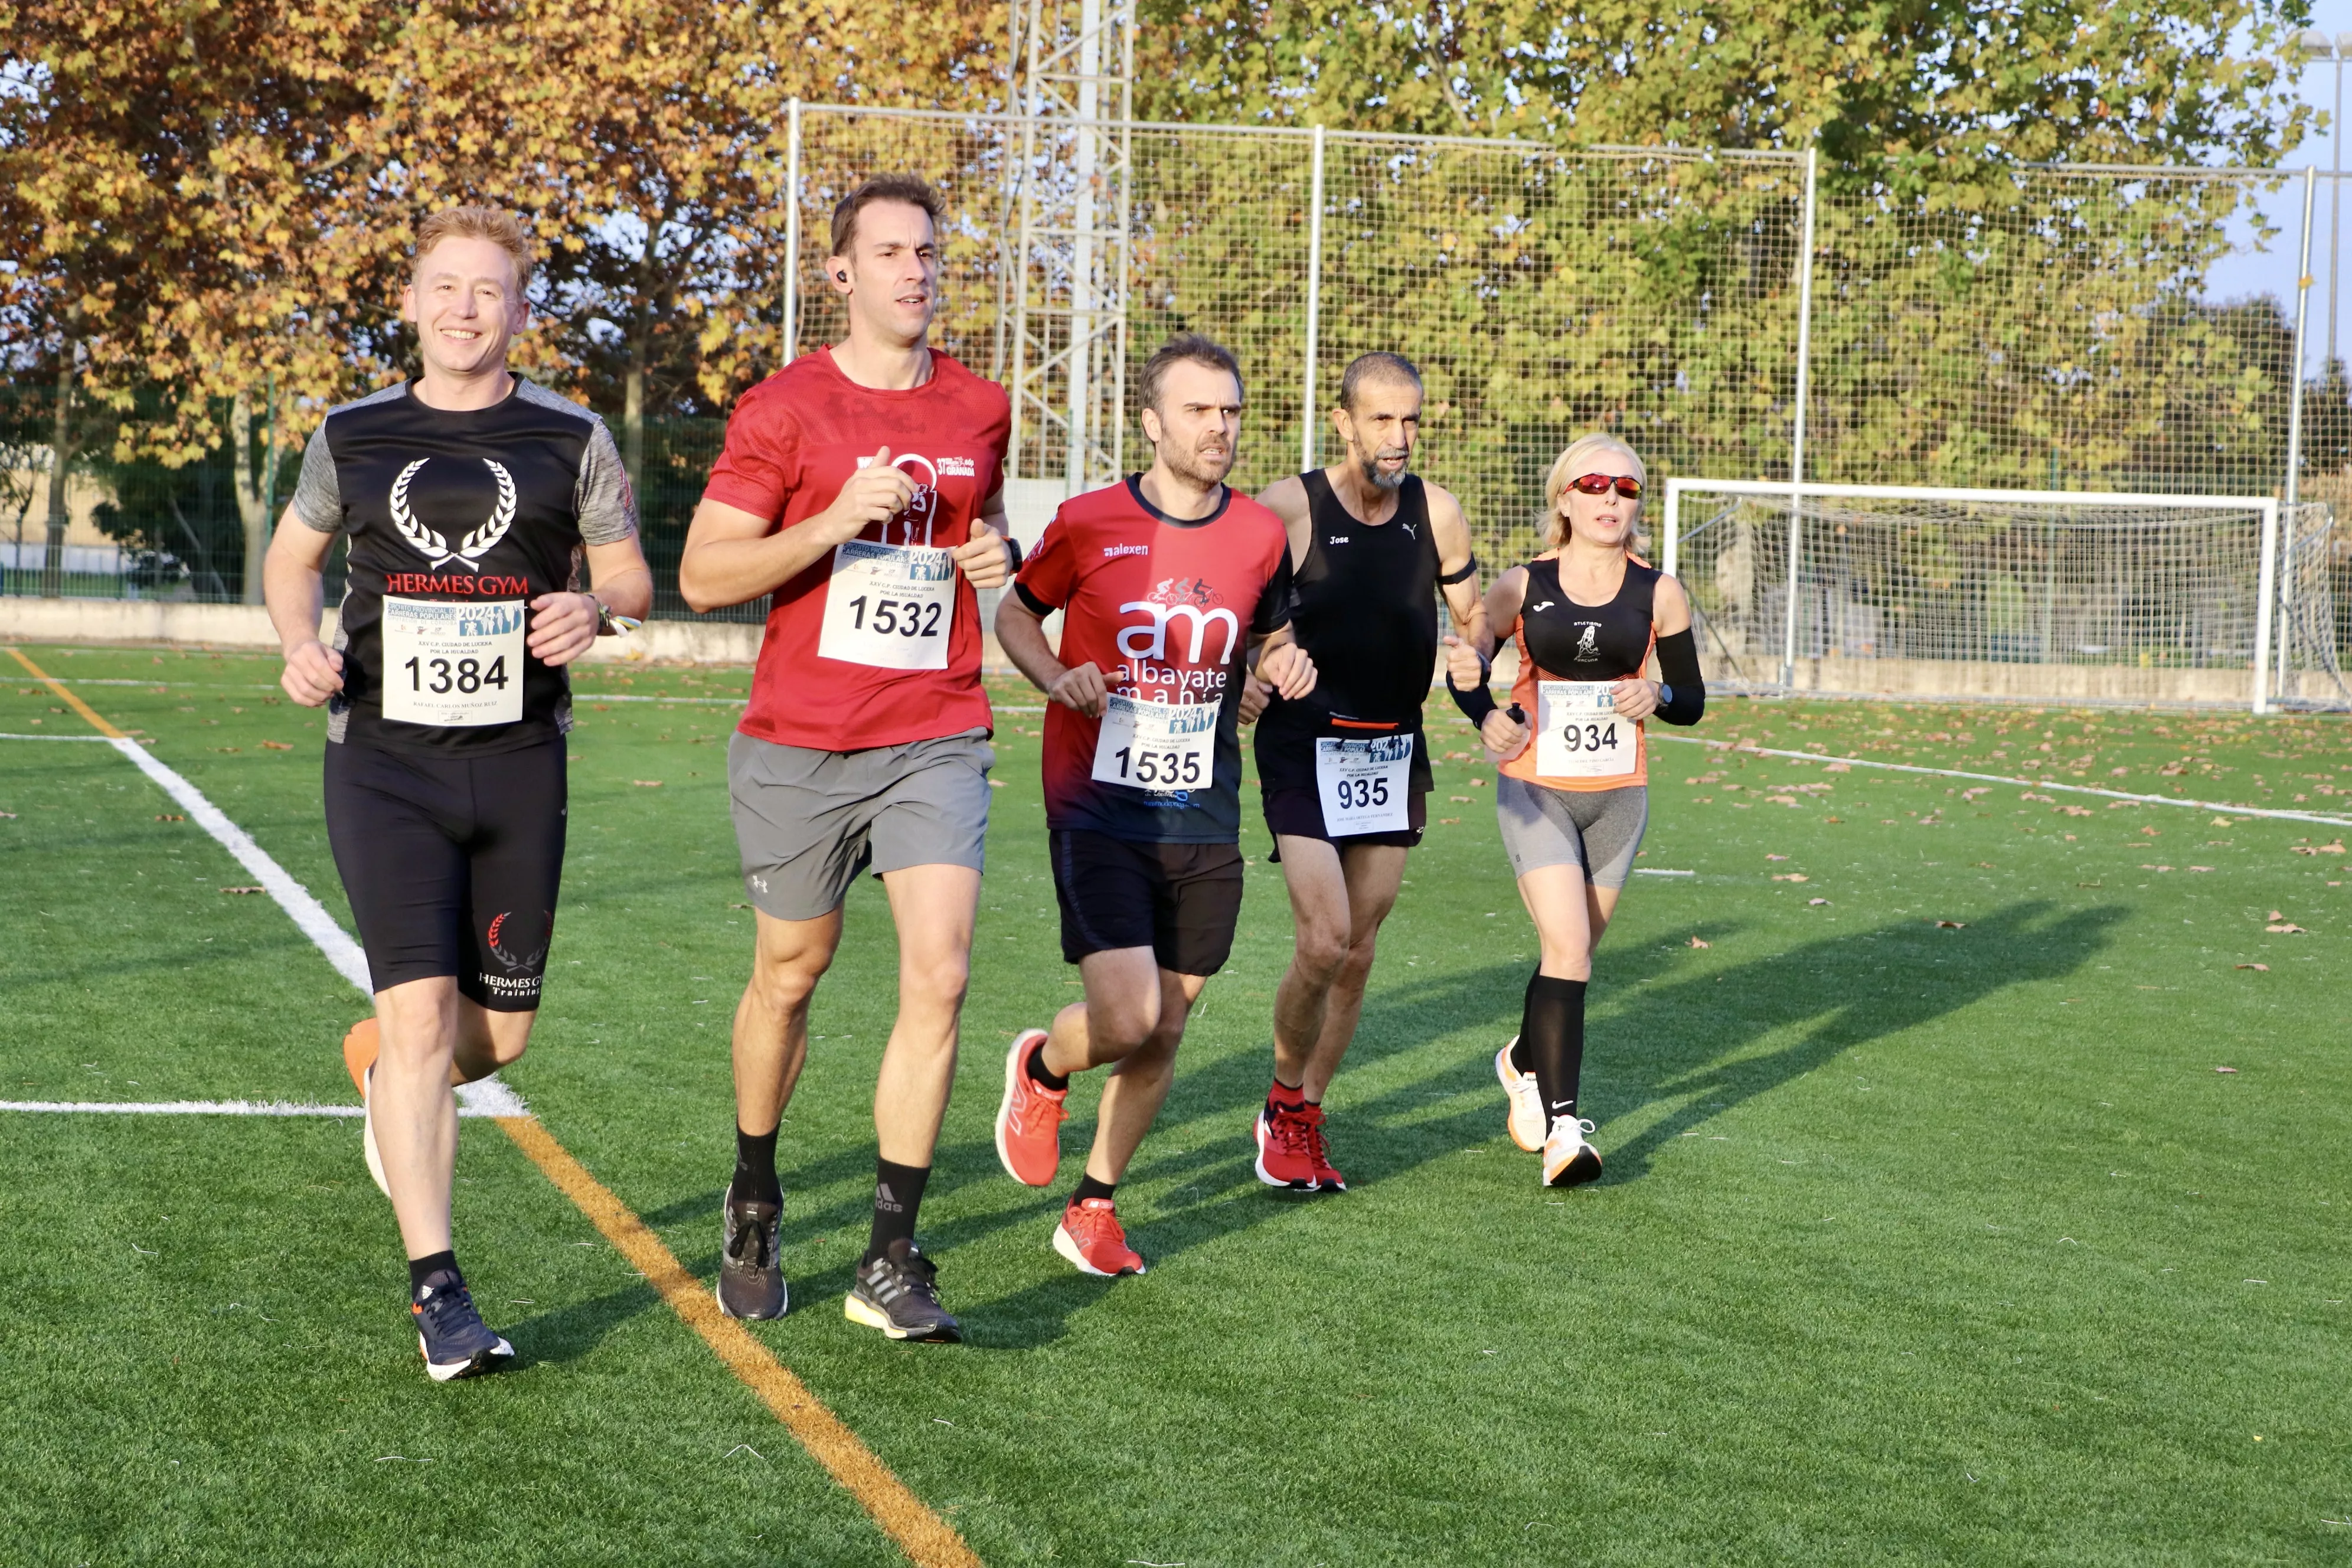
(807, 822)
(1598, 829)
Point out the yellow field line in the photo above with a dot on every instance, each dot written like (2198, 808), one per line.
(75, 703)
(927, 1540)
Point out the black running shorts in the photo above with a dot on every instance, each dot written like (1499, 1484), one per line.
(1299, 813)
(1180, 901)
(451, 864)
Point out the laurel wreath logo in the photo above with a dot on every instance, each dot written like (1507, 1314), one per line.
(474, 545)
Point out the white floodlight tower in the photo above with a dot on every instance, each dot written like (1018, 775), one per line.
(1066, 275)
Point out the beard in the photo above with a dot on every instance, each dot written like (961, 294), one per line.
(1379, 478)
(1199, 468)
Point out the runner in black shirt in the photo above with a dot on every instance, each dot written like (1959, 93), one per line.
(1345, 771)
(470, 498)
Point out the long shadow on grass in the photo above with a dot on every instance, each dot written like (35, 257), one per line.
(1687, 1043)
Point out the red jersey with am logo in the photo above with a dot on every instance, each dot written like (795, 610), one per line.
(792, 442)
(1166, 609)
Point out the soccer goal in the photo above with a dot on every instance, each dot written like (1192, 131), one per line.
(2041, 594)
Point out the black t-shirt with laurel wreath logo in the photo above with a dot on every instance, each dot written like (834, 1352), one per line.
(483, 509)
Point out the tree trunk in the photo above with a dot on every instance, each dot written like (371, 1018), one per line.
(633, 421)
(254, 491)
(61, 454)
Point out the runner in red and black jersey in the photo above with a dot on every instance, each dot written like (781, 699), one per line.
(470, 498)
(1167, 582)
(860, 488)
(1346, 771)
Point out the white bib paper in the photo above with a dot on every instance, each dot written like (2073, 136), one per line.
(1578, 732)
(1159, 746)
(446, 663)
(889, 605)
(1363, 783)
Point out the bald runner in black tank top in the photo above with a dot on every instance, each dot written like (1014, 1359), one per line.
(1364, 606)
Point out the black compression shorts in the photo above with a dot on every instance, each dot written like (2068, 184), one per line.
(1180, 901)
(1299, 813)
(451, 864)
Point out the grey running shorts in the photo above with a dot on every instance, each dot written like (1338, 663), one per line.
(1597, 830)
(806, 822)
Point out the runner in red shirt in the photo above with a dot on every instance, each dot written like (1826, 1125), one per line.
(1168, 581)
(862, 488)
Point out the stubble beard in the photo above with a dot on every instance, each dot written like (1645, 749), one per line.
(1380, 478)
(1196, 468)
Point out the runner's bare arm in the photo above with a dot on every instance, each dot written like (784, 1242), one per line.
(1286, 498)
(1636, 696)
(986, 558)
(734, 556)
(564, 626)
(1284, 665)
(1451, 532)
(292, 585)
(1503, 736)
(1021, 633)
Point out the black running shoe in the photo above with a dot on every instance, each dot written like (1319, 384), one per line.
(456, 1342)
(894, 1294)
(750, 1281)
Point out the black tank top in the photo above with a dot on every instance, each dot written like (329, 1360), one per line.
(1569, 641)
(1365, 607)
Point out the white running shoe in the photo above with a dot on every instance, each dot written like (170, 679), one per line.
(1568, 1161)
(367, 1135)
(1527, 1117)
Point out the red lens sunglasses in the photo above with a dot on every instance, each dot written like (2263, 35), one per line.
(1626, 485)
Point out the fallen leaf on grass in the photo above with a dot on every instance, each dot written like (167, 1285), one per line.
(647, 783)
(1790, 877)
(228, 748)
(277, 746)
(1463, 799)
(2263, 967)
(1839, 820)
(242, 889)
(1951, 925)
(2225, 1069)
(1776, 857)
(1779, 800)
(2046, 800)
(1700, 941)
(2334, 849)
(2285, 928)
(1810, 902)
(2149, 833)
(169, 816)
(1447, 821)
(12, 815)
(2201, 867)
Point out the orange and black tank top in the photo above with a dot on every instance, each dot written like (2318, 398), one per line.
(1559, 639)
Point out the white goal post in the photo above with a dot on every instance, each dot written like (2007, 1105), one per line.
(2036, 593)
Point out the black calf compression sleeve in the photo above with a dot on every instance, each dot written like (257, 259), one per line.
(1551, 1031)
(1678, 668)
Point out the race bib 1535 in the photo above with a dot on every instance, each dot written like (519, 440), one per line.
(1159, 746)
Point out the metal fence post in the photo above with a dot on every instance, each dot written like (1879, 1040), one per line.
(1314, 307)
(792, 229)
(1797, 439)
(2263, 671)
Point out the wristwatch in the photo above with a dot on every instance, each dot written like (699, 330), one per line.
(609, 625)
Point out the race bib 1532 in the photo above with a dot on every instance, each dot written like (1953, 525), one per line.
(889, 605)
(1578, 732)
(453, 663)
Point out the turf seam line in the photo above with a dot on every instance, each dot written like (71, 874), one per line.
(1744, 748)
(209, 1107)
(926, 1538)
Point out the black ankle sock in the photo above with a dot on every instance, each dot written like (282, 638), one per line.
(1090, 1188)
(1285, 1097)
(755, 1168)
(897, 1195)
(1552, 1030)
(422, 1271)
(1037, 1073)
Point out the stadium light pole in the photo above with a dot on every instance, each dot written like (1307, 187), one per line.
(2318, 45)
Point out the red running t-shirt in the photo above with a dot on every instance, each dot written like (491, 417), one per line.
(1166, 610)
(867, 647)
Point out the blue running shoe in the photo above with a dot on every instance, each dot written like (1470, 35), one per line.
(456, 1342)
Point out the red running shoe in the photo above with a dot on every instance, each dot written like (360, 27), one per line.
(1091, 1238)
(1029, 1122)
(1286, 1157)
(1327, 1178)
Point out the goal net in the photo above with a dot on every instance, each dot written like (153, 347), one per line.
(2058, 595)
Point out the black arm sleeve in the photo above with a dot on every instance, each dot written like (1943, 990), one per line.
(1678, 665)
(1477, 702)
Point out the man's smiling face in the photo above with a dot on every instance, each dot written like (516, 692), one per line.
(465, 305)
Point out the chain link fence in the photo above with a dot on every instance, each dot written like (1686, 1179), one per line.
(2056, 330)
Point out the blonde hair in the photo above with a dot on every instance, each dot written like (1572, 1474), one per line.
(1574, 464)
(497, 225)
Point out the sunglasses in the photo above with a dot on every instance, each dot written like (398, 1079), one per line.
(1626, 485)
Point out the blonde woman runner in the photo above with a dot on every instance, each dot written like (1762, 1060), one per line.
(1590, 617)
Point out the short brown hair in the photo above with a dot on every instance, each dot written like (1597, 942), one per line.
(497, 225)
(909, 188)
(1378, 365)
(1195, 348)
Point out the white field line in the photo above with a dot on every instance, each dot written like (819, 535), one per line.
(7, 737)
(1744, 748)
(487, 1098)
(210, 1107)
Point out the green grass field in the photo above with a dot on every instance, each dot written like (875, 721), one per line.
(1918, 1242)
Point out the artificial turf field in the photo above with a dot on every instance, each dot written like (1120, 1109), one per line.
(1917, 1243)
